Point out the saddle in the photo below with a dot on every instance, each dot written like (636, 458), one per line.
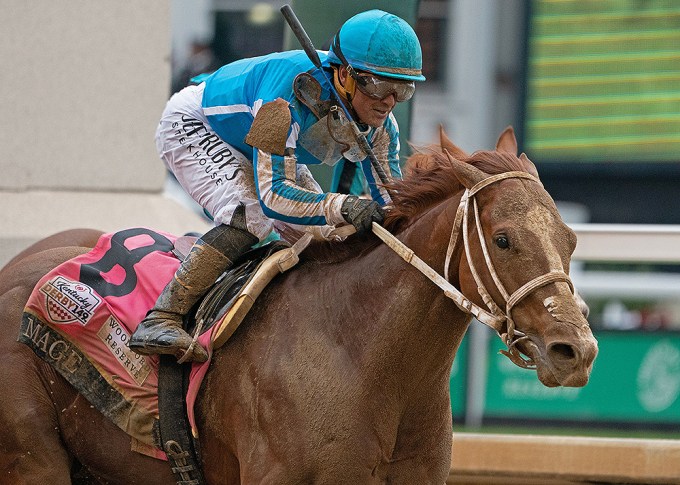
(227, 303)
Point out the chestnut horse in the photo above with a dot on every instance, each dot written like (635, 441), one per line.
(340, 373)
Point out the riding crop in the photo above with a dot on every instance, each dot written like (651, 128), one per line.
(309, 49)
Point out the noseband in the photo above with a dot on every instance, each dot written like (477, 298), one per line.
(494, 317)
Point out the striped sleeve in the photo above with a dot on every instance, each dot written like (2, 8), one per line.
(282, 198)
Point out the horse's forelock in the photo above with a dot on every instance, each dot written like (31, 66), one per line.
(493, 162)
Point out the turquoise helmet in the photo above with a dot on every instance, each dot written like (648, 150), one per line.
(380, 43)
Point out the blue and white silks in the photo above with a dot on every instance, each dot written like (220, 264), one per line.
(231, 99)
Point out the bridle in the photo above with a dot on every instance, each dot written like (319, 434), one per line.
(493, 316)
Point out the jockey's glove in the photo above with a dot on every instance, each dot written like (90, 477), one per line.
(361, 213)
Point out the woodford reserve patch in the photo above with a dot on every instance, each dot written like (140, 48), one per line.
(116, 339)
(74, 365)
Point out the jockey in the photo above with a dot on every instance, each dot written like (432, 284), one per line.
(239, 143)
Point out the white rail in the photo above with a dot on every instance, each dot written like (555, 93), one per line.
(627, 242)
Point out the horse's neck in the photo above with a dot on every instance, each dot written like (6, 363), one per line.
(414, 323)
(430, 235)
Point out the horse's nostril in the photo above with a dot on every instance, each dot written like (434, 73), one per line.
(562, 351)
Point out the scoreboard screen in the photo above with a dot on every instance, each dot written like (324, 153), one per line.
(603, 81)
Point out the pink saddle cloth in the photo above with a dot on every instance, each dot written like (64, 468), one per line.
(80, 316)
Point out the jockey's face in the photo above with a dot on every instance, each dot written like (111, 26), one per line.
(372, 112)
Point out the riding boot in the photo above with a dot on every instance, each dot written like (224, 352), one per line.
(161, 330)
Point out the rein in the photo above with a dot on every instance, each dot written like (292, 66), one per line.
(494, 317)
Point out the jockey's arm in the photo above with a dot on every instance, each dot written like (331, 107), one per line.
(282, 197)
(273, 137)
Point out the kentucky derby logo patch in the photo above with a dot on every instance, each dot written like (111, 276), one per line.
(69, 301)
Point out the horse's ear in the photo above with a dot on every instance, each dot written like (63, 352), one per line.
(507, 141)
(466, 174)
(529, 165)
(448, 146)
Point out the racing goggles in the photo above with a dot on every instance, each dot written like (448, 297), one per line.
(379, 88)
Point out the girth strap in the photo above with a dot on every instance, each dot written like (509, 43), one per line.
(175, 430)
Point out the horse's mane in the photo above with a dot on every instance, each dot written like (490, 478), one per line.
(429, 179)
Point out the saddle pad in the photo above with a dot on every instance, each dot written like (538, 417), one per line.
(79, 319)
(80, 316)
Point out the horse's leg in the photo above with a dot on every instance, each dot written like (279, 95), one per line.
(30, 447)
(422, 452)
(31, 450)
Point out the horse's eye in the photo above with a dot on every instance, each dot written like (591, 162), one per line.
(502, 242)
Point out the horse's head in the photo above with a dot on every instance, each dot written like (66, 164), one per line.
(516, 263)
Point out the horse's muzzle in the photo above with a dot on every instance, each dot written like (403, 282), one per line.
(566, 364)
